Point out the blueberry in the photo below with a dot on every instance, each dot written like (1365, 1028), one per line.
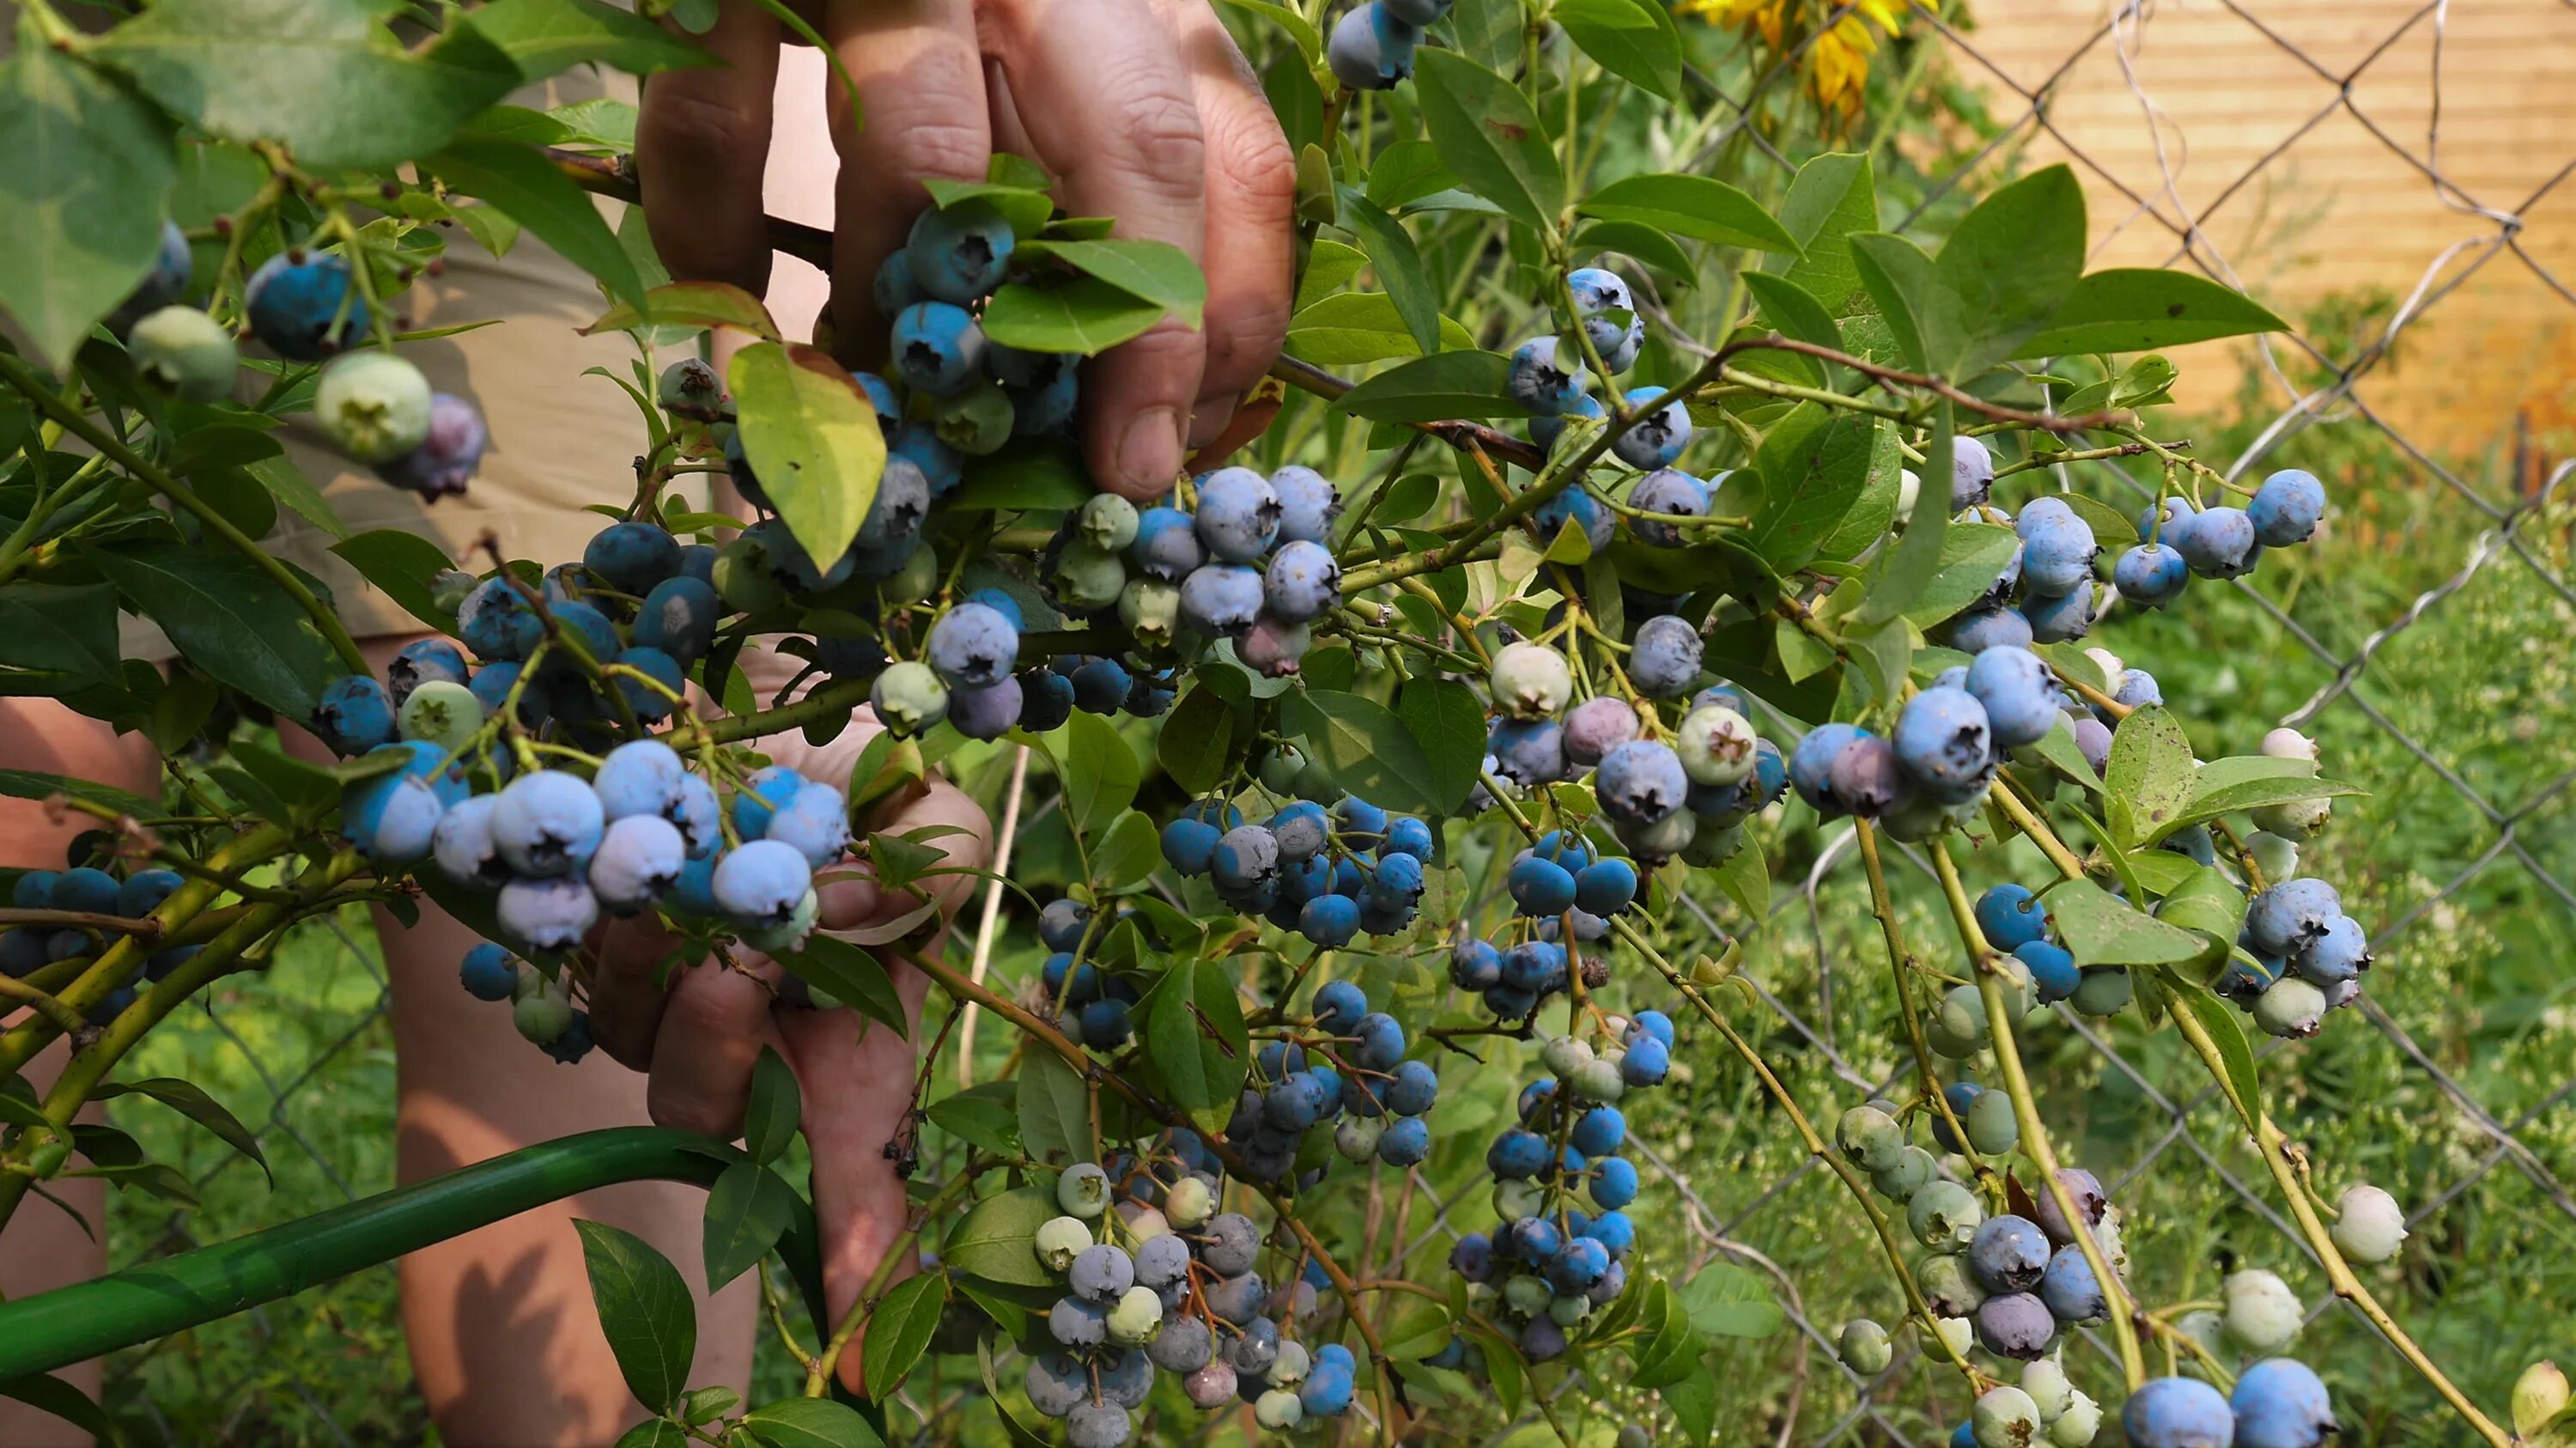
(2070, 1289)
(497, 622)
(1541, 887)
(761, 882)
(1811, 764)
(2057, 552)
(958, 253)
(187, 353)
(1167, 544)
(1866, 780)
(1309, 505)
(2217, 543)
(1527, 751)
(1979, 629)
(2178, 1413)
(488, 972)
(632, 556)
(547, 913)
(938, 347)
(1664, 662)
(143, 892)
(2015, 1325)
(2287, 508)
(1646, 1063)
(1301, 582)
(1105, 1025)
(1641, 782)
(2060, 620)
(1100, 686)
(1945, 744)
(1605, 887)
(1972, 473)
(423, 661)
(1599, 299)
(355, 715)
(173, 265)
(1660, 432)
(2150, 575)
(2053, 975)
(2279, 1402)
(1188, 845)
(639, 857)
(2292, 916)
(1546, 377)
(815, 821)
(2020, 698)
(1371, 49)
(2338, 954)
(547, 823)
(2009, 1253)
(973, 646)
(1406, 1142)
(302, 307)
(462, 844)
(909, 697)
(1666, 490)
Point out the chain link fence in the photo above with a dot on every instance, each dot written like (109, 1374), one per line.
(2448, 1086)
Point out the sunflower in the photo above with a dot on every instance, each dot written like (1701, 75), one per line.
(1835, 65)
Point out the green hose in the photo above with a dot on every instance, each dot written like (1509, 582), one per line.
(72, 1324)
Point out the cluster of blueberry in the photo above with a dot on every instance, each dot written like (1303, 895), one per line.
(962, 393)
(2014, 920)
(2053, 569)
(1949, 739)
(1372, 44)
(2278, 1403)
(2302, 956)
(1666, 791)
(88, 890)
(1166, 1281)
(1350, 1074)
(1326, 875)
(1549, 1263)
(305, 307)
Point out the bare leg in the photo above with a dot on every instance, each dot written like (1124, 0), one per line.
(503, 1334)
(43, 1248)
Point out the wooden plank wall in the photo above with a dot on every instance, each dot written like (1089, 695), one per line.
(2279, 163)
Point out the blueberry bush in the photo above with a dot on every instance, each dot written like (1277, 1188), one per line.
(1386, 746)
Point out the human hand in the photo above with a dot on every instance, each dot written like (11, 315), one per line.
(1144, 110)
(698, 1035)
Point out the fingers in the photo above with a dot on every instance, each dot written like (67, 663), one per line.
(1112, 114)
(708, 1039)
(1251, 201)
(701, 143)
(627, 991)
(920, 77)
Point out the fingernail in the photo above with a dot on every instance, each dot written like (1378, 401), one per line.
(1150, 453)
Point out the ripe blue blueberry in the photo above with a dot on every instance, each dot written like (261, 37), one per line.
(1189, 844)
(639, 857)
(2150, 575)
(1546, 378)
(632, 556)
(2008, 1254)
(1580, 507)
(1475, 964)
(1943, 740)
(1599, 1131)
(1647, 1062)
(2020, 697)
(679, 616)
(1641, 782)
(1614, 1183)
(761, 882)
(2279, 1402)
(1605, 887)
(488, 972)
(497, 622)
(1221, 599)
(973, 646)
(938, 347)
(1167, 544)
(1609, 313)
(1308, 505)
(2178, 1413)
(1545, 430)
(1405, 1142)
(355, 715)
(1972, 473)
(2015, 1325)
(547, 823)
(1238, 514)
(2070, 1289)
(547, 913)
(1371, 48)
(1666, 490)
(1979, 629)
(87, 890)
(143, 892)
(1381, 1042)
(1664, 662)
(2217, 542)
(1527, 751)
(1329, 920)
(1866, 780)
(1540, 887)
(302, 307)
(1811, 763)
(462, 844)
(2060, 620)
(816, 821)
(959, 253)
(2056, 553)
(2287, 508)
(2010, 916)
(2290, 916)
(1660, 432)
(2053, 976)
(2338, 954)
(1301, 582)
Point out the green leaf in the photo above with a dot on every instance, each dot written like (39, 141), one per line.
(1028, 474)
(899, 1328)
(286, 483)
(1632, 39)
(1055, 1110)
(33, 784)
(747, 1210)
(1922, 316)
(810, 1423)
(1445, 719)
(1905, 571)
(851, 975)
(2102, 931)
(1099, 773)
(2202, 899)
(1086, 316)
(544, 200)
(1329, 267)
(2149, 779)
(326, 77)
(191, 1101)
(307, 791)
(1362, 748)
(1419, 1328)
(769, 1122)
(1486, 131)
(1645, 243)
(1746, 878)
(1195, 1036)
(59, 628)
(1025, 207)
(694, 305)
(1700, 207)
(992, 1241)
(52, 1395)
(1400, 270)
(1462, 383)
(982, 1116)
(1152, 271)
(644, 1312)
(2246, 782)
(1197, 740)
(1672, 1347)
(1973, 556)
(1793, 312)
(84, 169)
(1873, 513)
(402, 564)
(2227, 1029)
(547, 37)
(812, 438)
(2010, 264)
(229, 617)
(1353, 327)
(1832, 197)
(1693, 1402)
(2058, 747)
(1128, 853)
(655, 1433)
(1724, 1300)
(1814, 464)
(2130, 309)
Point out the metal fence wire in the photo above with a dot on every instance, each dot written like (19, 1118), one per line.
(2481, 1154)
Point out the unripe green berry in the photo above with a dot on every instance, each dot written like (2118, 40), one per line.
(1598, 1080)
(1914, 1166)
(1278, 1410)
(1144, 1223)
(2046, 1382)
(1716, 745)
(2539, 1395)
(1531, 681)
(743, 579)
(1150, 608)
(1566, 1310)
(1527, 1296)
(373, 405)
(2275, 856)
(1279, 767)
(916, 580)
(2297, 819)
(2005, 1417)
(1083, 1191)
(2290, 1008)
(1060, 1240)
(1137, 1319)
(909, 697)
(1188, 1204)
(1944, 1282)
(2205, 1327)
(1106, 522)
(1956, 1332)
(1870, 1138)
(1963, 1014)
(1290, 1366)
(1990, 1124)
(443, 713)
(2104, 992)
(1563, 1055)
(976, 421)
(1944, 1216)
(1089, 579)
(542, 1017)
(1356, 1138)
(1516, 1199)
(2371, 1226)
(1865, 1348)
(788, 934)
(1633, 1435)
(186, 351)
(2263, 1314)
(2076, 1426)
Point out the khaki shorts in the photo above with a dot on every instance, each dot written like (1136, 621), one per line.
(560, 441)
